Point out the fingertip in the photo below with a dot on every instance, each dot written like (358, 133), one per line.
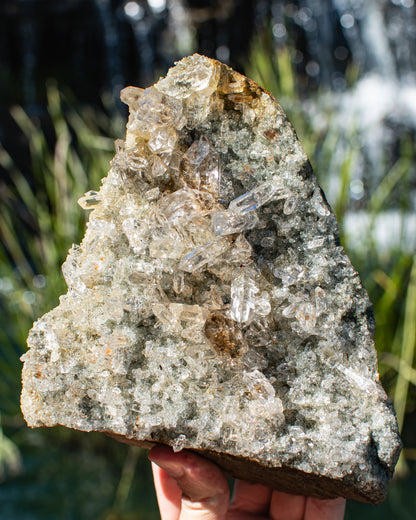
(168, 460)
(250, 498)
(286, 506)
(168, 494)
(160, 450)
(198, 477)
(330, 509)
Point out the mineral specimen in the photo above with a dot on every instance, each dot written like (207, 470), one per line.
(210, 304)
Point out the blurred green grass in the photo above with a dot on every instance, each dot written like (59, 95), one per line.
(55, 473)
(63, 474)
(389, 276)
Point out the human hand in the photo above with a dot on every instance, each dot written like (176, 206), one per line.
(189, 487)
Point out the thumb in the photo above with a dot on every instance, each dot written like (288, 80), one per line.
(205, 492)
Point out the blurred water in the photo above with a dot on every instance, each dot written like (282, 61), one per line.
(374, 115)
(376, 35)
(390, 230)
(381, 106)
(359, 55)
(112, 46)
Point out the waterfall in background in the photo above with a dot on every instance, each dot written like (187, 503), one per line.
(110, 35)
(103, 45)
(143, 21)
(29, 60)
(377, 36)
(385, 94)
(371, 119)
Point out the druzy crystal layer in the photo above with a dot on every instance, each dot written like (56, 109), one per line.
(210, 304)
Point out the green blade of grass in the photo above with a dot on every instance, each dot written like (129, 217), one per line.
(387, 185)
(15, 249)
(407, 348)
(398, 364)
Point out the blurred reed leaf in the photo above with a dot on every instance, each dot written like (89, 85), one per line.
(10, 459)
(407, 350)
(39, 217)
(336, 154)
(39, 220)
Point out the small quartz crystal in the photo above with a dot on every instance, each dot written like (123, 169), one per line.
(210, 305)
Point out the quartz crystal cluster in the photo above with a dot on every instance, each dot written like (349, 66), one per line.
(210, 304)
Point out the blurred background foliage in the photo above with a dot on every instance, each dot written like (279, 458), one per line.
(344, 72)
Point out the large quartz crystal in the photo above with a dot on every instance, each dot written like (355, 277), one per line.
(210, 304)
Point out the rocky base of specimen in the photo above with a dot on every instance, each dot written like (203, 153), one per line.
(283, 478)
(210, 305)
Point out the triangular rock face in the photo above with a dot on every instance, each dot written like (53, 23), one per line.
(210, 305)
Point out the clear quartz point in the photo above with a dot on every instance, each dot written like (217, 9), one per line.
(151, 110)
(258, 197)
(90, 200)
(131, 95)
(158, 168)
(243, 298)
(200, 166)
(181, 204)
(202, 255)
(228, 222)
(162, 139)
(180, 84)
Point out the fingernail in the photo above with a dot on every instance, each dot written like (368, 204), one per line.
(173, 470)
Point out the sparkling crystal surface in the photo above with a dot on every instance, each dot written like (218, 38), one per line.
(210, 304)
